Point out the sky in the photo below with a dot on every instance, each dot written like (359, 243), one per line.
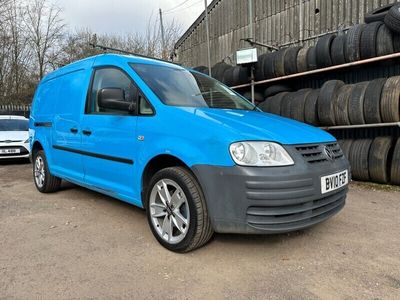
(123, 16)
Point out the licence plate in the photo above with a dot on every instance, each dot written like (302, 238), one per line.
(9, 151)
(333, 182)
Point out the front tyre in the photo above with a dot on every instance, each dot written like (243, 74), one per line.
(176, 210)
(44, 181)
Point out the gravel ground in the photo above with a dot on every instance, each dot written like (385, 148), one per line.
(80, 244)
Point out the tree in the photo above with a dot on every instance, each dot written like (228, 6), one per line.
(45, 28)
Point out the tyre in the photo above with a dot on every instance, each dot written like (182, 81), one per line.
(356, 103)
(390, 100)
(337, 50)
(377, 14)
(258, 97)
(302, 63)
(223, 67)
(346, 146)
(286, 103)
(214, 70)
(176, 210)
(372, 101)
(259, 68)
(279, 62)
(392, 18)
(358, 157)
(341, 105)
(240, 75)
(227, 78)
(326, 100)
(323, 51)
(265, 106)
(44, 181)
(396, 42)
(276, 89)
(311, 108)
(291, 60)
(369, 40)
(276, 103)
(379, 168)
(218, 70)
(384, 41)
(269, 65)
(353, 43)
(312, 59)
(395, 168)
(297, 106)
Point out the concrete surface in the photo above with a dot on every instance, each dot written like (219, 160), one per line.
(81, 244)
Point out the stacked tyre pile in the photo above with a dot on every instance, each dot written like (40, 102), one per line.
(336, 103)
(380, 36)
(230, 75)
(376, 160)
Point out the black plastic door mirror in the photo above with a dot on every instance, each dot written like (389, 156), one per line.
(113, 98)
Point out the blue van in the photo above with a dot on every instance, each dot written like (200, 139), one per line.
(198, 157)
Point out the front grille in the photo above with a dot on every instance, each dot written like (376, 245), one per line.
(315, 153)
(270, 217)
(22, 150)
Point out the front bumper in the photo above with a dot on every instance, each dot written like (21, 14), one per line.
(23, 149)
(271, 200)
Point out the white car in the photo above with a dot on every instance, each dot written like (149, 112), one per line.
(14, 137)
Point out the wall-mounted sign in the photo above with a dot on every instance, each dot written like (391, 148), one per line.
(246, 56)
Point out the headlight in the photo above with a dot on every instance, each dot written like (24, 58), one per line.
(260, 154)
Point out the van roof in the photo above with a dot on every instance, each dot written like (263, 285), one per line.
(107, 59)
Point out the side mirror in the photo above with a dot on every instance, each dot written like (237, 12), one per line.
(113, 98)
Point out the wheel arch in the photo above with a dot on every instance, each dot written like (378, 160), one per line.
(156, 164)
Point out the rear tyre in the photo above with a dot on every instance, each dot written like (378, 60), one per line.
(44, 181)
(176, 210)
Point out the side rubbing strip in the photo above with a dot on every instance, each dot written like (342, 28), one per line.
(43, 124)
(101, 156)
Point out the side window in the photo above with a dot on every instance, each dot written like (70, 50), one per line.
(110, 78)
(145, 107)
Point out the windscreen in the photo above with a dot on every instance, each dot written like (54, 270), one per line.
(13, 125)
(180, 87)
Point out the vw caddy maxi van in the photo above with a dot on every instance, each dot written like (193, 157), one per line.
(198, 157)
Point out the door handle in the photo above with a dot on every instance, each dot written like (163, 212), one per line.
(74, 130)
(86, 132)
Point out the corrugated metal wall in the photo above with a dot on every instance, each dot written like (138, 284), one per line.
(277, 22)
